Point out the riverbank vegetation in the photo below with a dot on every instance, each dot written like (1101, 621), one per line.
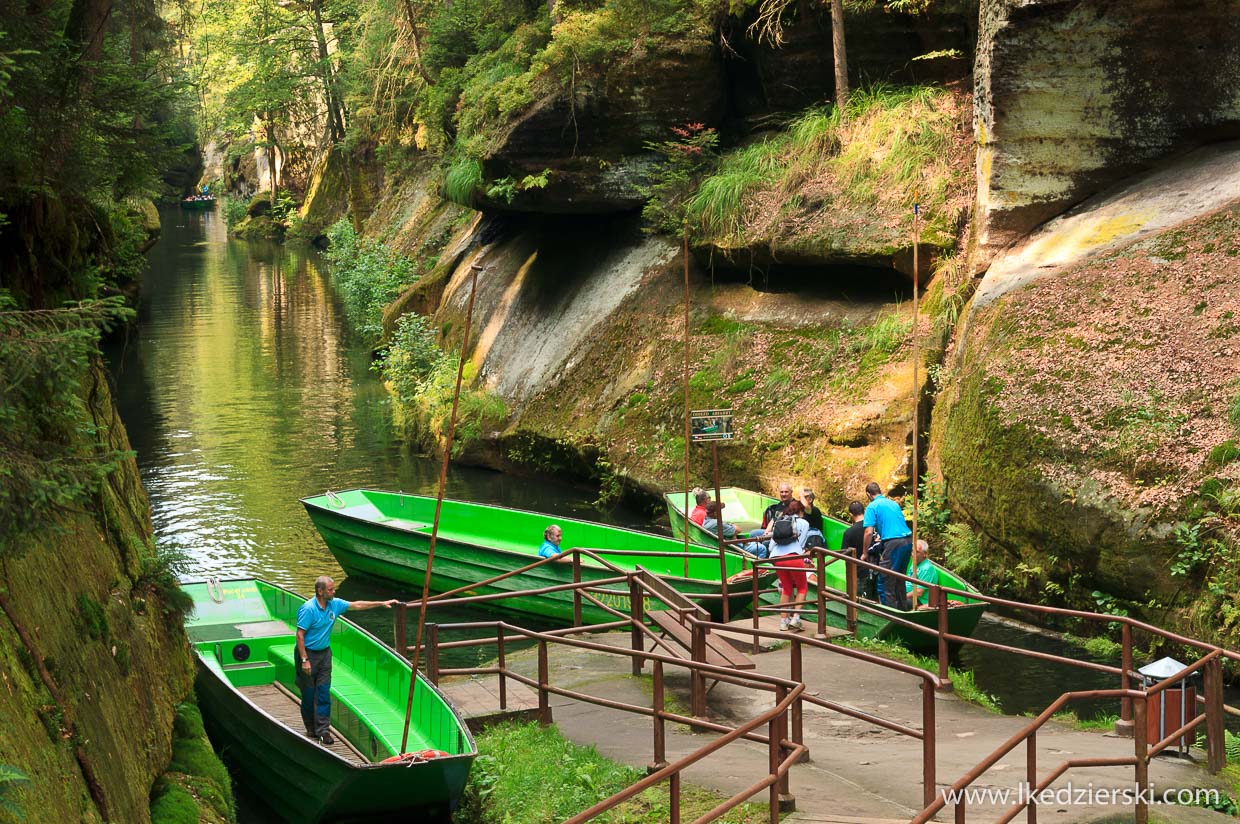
(196, 787)
(529, 774)
(963, 684)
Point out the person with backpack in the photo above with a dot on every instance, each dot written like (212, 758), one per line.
(788, 535)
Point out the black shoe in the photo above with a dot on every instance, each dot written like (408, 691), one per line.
(327, 739)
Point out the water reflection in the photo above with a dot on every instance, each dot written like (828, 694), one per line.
(242, 391)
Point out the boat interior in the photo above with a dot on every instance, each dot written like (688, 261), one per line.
(248, 639)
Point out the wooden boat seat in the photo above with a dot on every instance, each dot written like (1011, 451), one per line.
(719, 653)
(364, 703)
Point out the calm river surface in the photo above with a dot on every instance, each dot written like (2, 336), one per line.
(243, 390)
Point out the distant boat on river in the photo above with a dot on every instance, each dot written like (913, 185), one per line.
(744, 508)
(198, 203)
(243, 633)
(386, 535)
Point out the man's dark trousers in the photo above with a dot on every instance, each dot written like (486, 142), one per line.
(316, 691)
(896, 553)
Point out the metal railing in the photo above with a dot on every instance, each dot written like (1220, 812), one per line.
(641, 587)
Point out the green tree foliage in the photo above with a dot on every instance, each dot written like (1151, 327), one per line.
(92, 107)
(271, 70)
(412, 358)
(11, 780)
(52, 455)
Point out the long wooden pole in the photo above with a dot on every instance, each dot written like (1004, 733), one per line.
(685, 255)
(723, 563)
(916, 387)
(443, 480)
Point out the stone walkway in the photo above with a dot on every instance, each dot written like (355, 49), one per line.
(856, 771)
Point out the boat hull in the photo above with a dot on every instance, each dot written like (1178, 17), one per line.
(374, 553)
(301, 781)
(243, 635)
(386, 536)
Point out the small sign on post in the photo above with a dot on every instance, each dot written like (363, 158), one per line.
(710, 425)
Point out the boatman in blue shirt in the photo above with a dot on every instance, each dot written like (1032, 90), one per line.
(550, 547)
(884, 518)
(315, 619)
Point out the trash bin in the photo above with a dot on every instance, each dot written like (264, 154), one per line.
(1173, 707)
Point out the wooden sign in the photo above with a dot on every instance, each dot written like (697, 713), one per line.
(710, 425)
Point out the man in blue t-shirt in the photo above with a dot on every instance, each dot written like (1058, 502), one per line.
(315, 620)
(550, 546)
(884, 518)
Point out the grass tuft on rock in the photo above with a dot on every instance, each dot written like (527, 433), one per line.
(824, 175)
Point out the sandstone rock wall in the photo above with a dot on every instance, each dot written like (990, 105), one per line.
(1072, 96)
(120, 665)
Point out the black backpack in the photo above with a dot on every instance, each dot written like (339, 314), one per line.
(782, 531)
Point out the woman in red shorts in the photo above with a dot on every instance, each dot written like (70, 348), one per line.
(788, 536)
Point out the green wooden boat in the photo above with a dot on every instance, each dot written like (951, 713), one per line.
(744, 508)
(386, 535)
(198, 203)
(243, 632)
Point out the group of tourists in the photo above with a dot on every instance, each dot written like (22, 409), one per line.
(879, 535)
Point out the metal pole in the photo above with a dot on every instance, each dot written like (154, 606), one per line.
(432, 653)
(443, 481)
(576, 590)
(723, 561)
(945, 681)
(1031, 776)
(929, 776)
(1124, 725)
(850, 585)
(1215, 748)
(503, 669)
(685, 255)
(1141, 772)
(544, 698)
(795, 672)
(637, 615)
(916, 389)
(660, 730)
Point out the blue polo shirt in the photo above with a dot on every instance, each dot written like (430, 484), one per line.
(317, 621)
(887, 518)
(548, 549)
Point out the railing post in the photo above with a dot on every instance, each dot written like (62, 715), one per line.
(577, 590)
(851, 610)
(785, 800)
(544, 677)
(797, 709)
(1124, 725)
(821, 629)
(945, 681)
(503, 669)
(1216, 752)
(432, 653)
(1141, 772)
(1031, 776)
(673, 789)
(660, 730)
(757, 570)
(697, 681)
(929, 774)
(637, 614)
(398, 630)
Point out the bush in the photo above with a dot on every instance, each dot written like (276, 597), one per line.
(410, 361)
(367, 275)
(236, 210)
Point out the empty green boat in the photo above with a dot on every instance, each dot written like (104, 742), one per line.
(243, 632)
(744, 508)
(386, 535)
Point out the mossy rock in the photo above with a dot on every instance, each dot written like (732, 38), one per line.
(259, 205)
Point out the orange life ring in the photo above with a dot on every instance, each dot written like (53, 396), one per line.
(420, 755)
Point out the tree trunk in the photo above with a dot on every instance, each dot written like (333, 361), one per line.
(331, 95)
(841, 57)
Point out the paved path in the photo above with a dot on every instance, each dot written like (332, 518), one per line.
(856, 771)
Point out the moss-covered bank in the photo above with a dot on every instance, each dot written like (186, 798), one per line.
(88, 596)
(1088, 437)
